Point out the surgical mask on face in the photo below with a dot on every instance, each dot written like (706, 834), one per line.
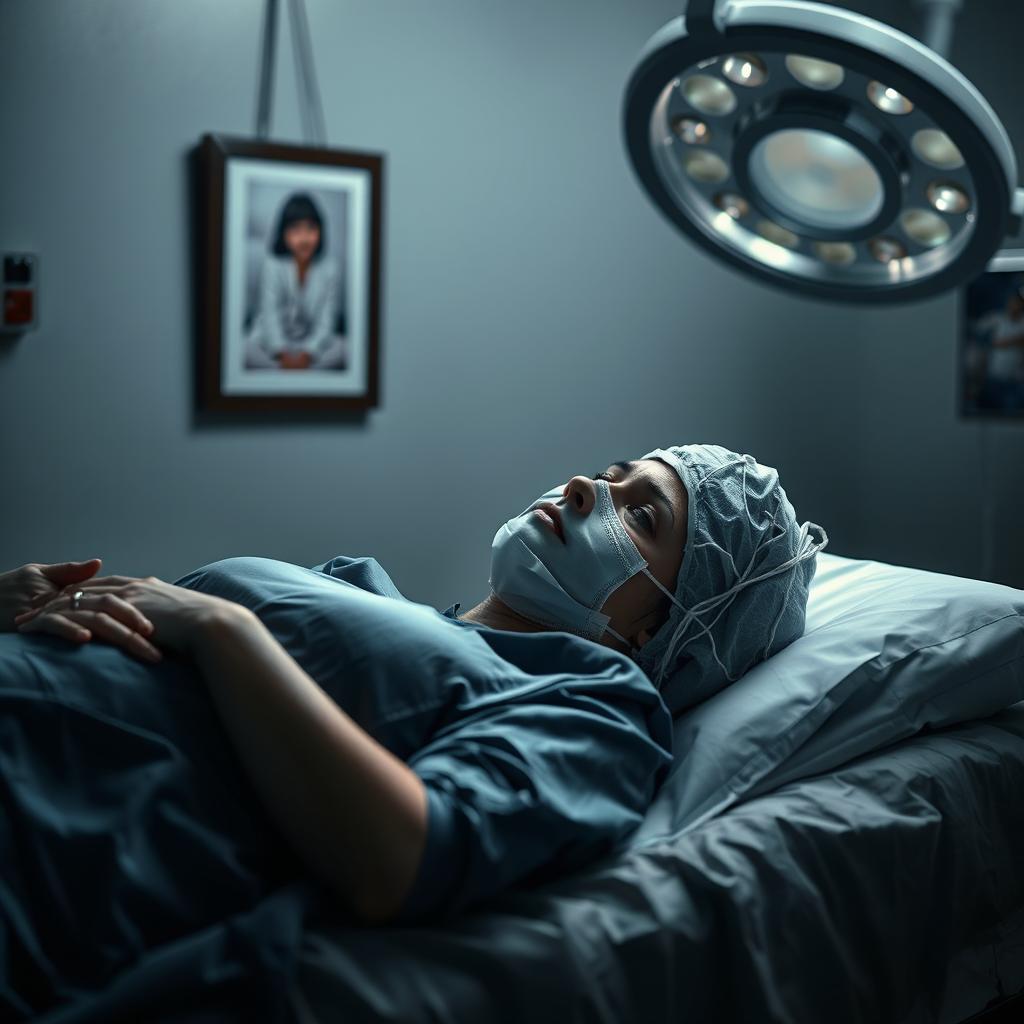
(564, 586)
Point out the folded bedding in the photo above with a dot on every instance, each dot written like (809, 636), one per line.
(886, 890)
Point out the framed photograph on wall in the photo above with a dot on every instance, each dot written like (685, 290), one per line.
(991, 348)
(292, 280)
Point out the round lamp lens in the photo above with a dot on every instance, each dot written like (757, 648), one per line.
(814, 73)
(816, 178)
(777, 233)
(839, 254)
(706, 167)
(691, 131)
(947, 197)
(889, 101)
(733, 204)
(709, 95)
(745, 69)
(937, 148)
(885, 250)
(925, 228)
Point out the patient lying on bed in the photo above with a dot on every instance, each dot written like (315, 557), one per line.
(173, 753)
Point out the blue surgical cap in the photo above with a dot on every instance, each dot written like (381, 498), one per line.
(744, 577)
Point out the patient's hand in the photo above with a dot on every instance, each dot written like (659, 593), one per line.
(34, 584)
(132, 613)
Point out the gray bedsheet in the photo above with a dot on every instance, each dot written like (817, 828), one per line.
(889, 890)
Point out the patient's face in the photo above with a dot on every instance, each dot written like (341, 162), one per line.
(638, 607)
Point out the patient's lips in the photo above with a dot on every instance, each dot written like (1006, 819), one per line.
(549, 513)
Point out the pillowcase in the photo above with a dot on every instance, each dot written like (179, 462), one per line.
(887, 651)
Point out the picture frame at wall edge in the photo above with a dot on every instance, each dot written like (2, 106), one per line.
(990, 342)
(289, 282)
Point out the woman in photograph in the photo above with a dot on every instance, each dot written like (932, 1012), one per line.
(295, 327)
(172, 753)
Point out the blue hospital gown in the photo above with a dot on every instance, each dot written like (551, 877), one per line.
(138, 864)
(513, 734)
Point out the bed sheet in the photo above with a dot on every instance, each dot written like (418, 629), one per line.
(889, 889)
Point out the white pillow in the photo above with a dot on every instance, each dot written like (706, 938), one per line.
(886, 652)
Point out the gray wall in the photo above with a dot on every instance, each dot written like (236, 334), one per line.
(540, 318)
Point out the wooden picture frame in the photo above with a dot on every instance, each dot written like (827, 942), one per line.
(290, 280)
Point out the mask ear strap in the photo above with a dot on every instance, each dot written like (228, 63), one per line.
(633, 651)
(665, 591)
(618, 636)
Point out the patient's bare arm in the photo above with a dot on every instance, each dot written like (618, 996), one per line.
(353, 811)
(35, 583)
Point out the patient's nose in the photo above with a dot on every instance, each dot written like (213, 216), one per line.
(579, 493)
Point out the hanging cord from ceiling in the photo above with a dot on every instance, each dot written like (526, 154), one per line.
(307, 89)
(312, 108)
(267, 54)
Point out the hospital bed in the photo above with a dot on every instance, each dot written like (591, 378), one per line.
(841, 840)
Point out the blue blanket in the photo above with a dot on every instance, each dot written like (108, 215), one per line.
(137, 868)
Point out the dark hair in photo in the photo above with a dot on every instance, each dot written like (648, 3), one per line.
(299, 206)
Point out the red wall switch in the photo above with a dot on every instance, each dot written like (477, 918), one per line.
(17, 307)
(19, 278)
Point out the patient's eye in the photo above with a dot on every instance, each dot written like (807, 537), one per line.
(644, 516)
(639, 513)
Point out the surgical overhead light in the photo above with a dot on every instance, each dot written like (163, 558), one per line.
(820, 150)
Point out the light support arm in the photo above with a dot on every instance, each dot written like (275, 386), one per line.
(939, 16)
(706, 15)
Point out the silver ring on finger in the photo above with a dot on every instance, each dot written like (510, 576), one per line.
(76, 600)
